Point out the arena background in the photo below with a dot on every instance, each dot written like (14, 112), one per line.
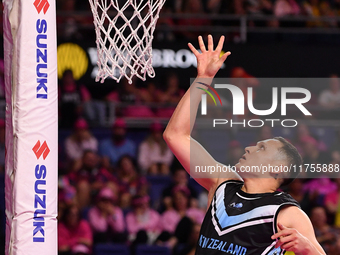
(265, 41)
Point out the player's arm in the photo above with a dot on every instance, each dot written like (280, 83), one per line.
(296, 233)
(178, 132)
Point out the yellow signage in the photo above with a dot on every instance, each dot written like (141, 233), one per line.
(72, 56)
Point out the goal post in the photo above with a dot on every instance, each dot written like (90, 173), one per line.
(30, 56)
(124, 38)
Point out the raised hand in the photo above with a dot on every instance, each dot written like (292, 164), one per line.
(209, 61)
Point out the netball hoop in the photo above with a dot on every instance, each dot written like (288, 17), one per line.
(124, 33)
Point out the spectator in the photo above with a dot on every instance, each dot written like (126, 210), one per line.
(239, 7)
(260, 7)
(2, 145)
(90, 178)
(81, 249)
(297, 192)
(96, 109)
(244, 80)
(203, 200)
(286, 8)
(318, 188)
(235, 152)
(302, 135)
(131, 95)
(92, 171)
(170, 96)
(326, 10)
(336, 143)
(311, 8)
(220, 7)
(143, 218)
(330, 98)
(118, 145)
(180, 179)
(181, 207)
(178, 6)
(154, 156)
(106, 219)
(187, 235)
(316, 8)
(69, 25)
(72, 96)
(167, 22)
(335, 149)
(130, 182)
(335, 158)
(149, 94)
(80, 140)
(265, 133)
(66, 195)
(172, 93)
(72, 231)
(325, 234)
(332, 204)
(193, 7)
(312, 155)
(192, 240)
(128, 93)
(2, 81)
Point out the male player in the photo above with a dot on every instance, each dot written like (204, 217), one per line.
(246, 216)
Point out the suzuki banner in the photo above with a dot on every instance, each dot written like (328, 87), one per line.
(30, 50)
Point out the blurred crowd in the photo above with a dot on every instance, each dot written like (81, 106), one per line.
(118, 190)
(104, 194)
(136, 100)
(73, 25)
(158, 98)
(115, 189)
(260, 8)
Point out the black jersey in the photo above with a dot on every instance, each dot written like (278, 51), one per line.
(240, 223)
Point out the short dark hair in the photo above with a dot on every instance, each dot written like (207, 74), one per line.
(293, 159)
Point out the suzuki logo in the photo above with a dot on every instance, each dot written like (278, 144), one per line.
(41, 4)
(43, 149)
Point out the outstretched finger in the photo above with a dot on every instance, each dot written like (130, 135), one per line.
(224, 57)
(210, 43)
(220, 44)
(201, 44)
(193, 49)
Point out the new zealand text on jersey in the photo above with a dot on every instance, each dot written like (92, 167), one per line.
(215, 244)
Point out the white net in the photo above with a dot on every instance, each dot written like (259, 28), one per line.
(124, 33)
